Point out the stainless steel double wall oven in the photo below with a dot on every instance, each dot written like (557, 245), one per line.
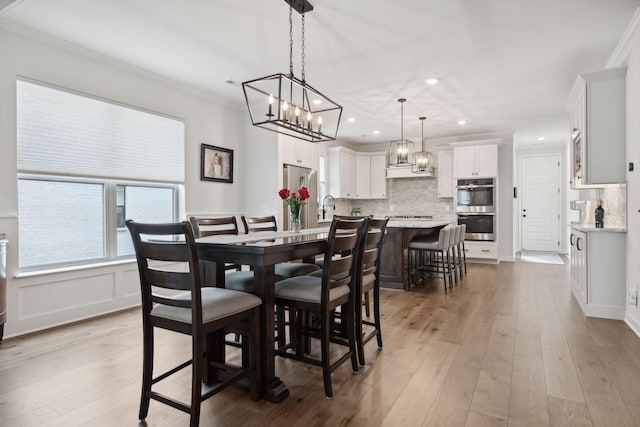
(476, 207)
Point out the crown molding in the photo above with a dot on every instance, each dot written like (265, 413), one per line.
(630, 36)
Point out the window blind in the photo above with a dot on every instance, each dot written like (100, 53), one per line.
(63, 133)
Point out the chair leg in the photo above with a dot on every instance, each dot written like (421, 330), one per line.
(464, 257)
(324, 351)
(367, 311)
(444, 271)
(376, 312)
(358, 329)
(196, 380)
(147, 370)
(351, 336)
(449, 270)
(459, 260)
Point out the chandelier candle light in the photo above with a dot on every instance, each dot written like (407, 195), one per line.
(294, 202)
(286, 104)
(424, 159)
(401, 152)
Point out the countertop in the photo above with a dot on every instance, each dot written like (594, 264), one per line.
(408, 223)
(591, 227)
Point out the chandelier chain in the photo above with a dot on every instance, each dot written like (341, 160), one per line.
(303, 47)
(291, 40)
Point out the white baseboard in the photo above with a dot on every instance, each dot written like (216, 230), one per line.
(632, 323)
(603, 311)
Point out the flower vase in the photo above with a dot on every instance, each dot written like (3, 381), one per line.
(294, 219)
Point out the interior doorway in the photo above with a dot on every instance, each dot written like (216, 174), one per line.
(539, 210)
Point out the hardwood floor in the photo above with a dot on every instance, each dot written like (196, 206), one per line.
(508, 346)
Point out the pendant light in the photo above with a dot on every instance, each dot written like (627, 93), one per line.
(424, 159)
(287, 105)
(401, 152)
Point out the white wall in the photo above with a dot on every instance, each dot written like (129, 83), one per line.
(633, 178)
(42, 301)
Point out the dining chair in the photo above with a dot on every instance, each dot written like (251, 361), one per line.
(203, 227)
(432, 256)
(283, 270)
(323, 295)
(368, 281)
(168, 262)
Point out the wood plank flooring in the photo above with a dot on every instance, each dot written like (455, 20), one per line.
(509, 346)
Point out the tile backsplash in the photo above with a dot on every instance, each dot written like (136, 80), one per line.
(614, 203)
(406, 196)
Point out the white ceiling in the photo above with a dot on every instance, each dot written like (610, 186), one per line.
(503, 65)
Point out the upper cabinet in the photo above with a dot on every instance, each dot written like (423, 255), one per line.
(475, 161)
(445, 174)
(598, 132)
(299, 153)
(356, 175)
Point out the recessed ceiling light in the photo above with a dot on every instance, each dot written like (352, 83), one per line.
(351, 119)
(317, 101)
(431, 81)
(541, 138)
(462, 122)
(376, 132)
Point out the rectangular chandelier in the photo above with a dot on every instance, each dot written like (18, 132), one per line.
(284, 104)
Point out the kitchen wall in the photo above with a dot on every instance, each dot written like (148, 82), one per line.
(628, 53)
(614, 203)
(42, 300)
(407, 196)
(418, 196)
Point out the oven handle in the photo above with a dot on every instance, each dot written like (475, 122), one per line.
(466, 214)
(471, 187)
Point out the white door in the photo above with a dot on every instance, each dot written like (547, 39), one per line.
(540, 202)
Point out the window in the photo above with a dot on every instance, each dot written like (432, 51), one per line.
(85, 165)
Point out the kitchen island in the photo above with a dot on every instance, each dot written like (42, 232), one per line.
(400, 232)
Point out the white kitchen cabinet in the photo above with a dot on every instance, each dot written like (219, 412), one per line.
(355, 175)
(475, 161)
(598, 128)
(342, 173)
(363, 177)
(445, 174)
(481, 250)
(297, 152)
(598, 265)
(378, 176)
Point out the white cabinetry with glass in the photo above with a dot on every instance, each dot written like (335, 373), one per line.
(354, 175)
(445, 174)
(475, 161)
(598, 265)
(598, 133)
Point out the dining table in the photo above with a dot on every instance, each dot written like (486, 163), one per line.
(261, 251)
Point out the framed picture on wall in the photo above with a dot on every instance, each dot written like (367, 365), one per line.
(217, 164)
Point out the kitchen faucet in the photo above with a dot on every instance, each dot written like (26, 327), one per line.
(324, 205)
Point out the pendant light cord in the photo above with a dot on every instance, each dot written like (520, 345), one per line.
(291, 40)
(303, 47)
(402, 121)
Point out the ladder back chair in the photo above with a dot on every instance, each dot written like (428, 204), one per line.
(323, 295)
(168, 262)
(203, 227)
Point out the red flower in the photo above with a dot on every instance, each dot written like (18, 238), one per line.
(284, 193)
(304, 193)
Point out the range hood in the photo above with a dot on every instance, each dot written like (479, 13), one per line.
(405, 172)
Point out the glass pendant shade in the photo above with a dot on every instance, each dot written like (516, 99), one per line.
(424, 159)
(285, 104)
(402, 151)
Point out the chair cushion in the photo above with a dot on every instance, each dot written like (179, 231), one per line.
(307, 288)
(217, 303)
(368, 280)
(242, 280)
(293, 269)
(340, 276)
(425, 244)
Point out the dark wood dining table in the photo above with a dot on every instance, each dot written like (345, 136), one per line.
(262, 251)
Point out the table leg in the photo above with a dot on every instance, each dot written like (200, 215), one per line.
(273, 388)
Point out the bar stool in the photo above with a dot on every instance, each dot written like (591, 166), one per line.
(437, 252)
(463, 232)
